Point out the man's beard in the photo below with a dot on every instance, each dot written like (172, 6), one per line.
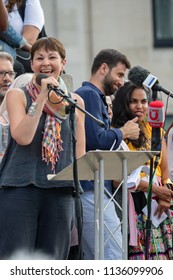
(108, 86)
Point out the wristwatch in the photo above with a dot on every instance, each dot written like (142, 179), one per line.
(32, 109)
(168, 183)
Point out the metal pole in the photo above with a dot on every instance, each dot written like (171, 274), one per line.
(125, 211)
(101, 209)
(96, 216)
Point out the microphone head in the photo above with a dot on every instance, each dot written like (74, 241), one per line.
(137, 75)
(39, 77)
(156, 114)
(156, 104)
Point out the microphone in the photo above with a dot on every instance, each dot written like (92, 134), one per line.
(156, 118)
(137, 75)
(143, 78)
(151, 83)
(41, 76)
(156, 114)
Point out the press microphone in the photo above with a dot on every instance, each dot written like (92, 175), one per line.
(151, 83)
(41, 76)
(156, 119)
(143, 78)
(137, 75)
(156, 114)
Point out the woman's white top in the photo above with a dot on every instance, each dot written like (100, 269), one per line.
(33, 16)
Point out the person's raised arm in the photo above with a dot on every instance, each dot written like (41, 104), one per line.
(14, 39)
(30, 33)
(3, 17)
(164, 162)
(33, 21)
(22, 124)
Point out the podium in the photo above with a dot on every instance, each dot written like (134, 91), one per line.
(102, 165)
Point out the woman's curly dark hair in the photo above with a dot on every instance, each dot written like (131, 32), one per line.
(122, 113)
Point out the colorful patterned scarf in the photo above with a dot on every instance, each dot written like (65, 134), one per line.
(51, 142)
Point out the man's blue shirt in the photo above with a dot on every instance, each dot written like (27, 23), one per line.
(97, 137)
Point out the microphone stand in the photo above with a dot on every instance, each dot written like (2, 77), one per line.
(154, 147)
(78, 206)
(73, 102)
(70, 109)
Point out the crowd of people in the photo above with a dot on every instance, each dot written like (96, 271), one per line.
(25, 23)
(37, 214)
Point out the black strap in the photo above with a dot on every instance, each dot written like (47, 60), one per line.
(21, 10)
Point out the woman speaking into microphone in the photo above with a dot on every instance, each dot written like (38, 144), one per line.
(37, 214)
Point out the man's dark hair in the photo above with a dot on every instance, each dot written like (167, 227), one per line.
(111, 57)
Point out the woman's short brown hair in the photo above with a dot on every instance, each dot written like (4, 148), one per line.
(48, 43)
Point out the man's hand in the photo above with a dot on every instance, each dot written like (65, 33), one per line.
(131, 129)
